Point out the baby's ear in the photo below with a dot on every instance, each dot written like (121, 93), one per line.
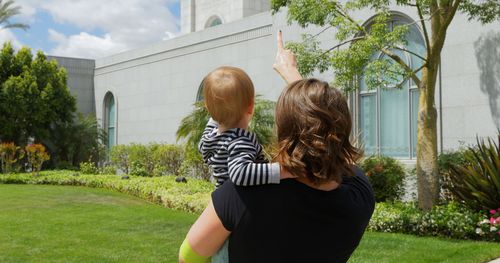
(251, 107)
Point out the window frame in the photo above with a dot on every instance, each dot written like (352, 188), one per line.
(107, 125)
(411, 92)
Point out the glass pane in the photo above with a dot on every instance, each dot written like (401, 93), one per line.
(199, 95)
(368, 123)
(416, 45)
(215, 22)
(111, 112)
(414, 119)
(397, 79)
(362, 84)
(394, 123)
(111, 120)
(111, 137)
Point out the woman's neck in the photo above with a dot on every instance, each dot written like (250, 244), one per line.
(328, 186)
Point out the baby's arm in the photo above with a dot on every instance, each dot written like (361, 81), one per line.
(243, 169)
(211, 125)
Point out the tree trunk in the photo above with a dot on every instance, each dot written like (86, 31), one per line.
(427, 168)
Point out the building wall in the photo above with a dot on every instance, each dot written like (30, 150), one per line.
(470, 82)
(196, 13)
(80, 81)
(156, 86)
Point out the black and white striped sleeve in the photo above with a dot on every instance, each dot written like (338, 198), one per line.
(243, 169)
(209, 128)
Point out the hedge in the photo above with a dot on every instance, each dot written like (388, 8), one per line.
(192, 196)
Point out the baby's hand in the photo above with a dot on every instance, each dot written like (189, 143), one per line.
(285, 174)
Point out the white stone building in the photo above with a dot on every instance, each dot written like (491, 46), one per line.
(141, 95)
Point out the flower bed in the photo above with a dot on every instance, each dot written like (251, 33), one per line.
(449, 220)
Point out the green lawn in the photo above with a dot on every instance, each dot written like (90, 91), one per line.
(397, 248)
(41, 223)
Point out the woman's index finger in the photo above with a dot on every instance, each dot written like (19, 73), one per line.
(280, 41)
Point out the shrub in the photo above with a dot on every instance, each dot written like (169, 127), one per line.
(194, 166)
(167, 159)
(88, 168)
(477, 183)
(141, 161)
(445, 163)
(159, 159)
(386, 175)
(108, 169)
(80, 140)
(120, 157)
(36, 157)
(448, 220)
(10, 154)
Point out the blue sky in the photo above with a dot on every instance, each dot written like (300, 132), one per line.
(93, 28)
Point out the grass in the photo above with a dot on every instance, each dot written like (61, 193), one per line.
(398, 248)
(44, 223)
(41, 223)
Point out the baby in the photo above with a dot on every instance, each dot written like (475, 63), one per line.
(226, 146)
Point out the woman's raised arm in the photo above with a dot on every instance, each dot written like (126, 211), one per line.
(286, 63)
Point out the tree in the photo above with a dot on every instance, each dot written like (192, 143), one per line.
(7, 11)
(34, 96)
(262, 123)
(78, 141)
(347, 64)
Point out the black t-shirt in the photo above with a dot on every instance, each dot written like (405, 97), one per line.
(292, 222)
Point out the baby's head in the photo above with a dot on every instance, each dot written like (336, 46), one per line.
(229, 96)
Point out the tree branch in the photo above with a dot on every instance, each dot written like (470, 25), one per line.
(452, 12)
(424, 28)
(420, 68)
(343, 43)
(317, 34)
(443, 26)
(403, 64)
(411, 52)
(346, 16)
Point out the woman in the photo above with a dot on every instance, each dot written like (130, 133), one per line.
(319, 216)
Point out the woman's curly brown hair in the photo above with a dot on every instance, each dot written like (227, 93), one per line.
(314, 124)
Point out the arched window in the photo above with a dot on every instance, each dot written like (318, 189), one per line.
(110, 119)
(388, 116)
(213, 21)
(199, 95)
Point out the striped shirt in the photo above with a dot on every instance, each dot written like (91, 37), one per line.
(235, 154)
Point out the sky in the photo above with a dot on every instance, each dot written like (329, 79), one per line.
(93, 28)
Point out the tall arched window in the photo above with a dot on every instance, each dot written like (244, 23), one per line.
(388, 116)
(213, 21)
(199, 95)
(110, 119)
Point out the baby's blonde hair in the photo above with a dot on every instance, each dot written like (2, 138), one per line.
(228, 93)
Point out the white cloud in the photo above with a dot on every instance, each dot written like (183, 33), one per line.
(84, 45)
(7, 35)
(126, 24)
